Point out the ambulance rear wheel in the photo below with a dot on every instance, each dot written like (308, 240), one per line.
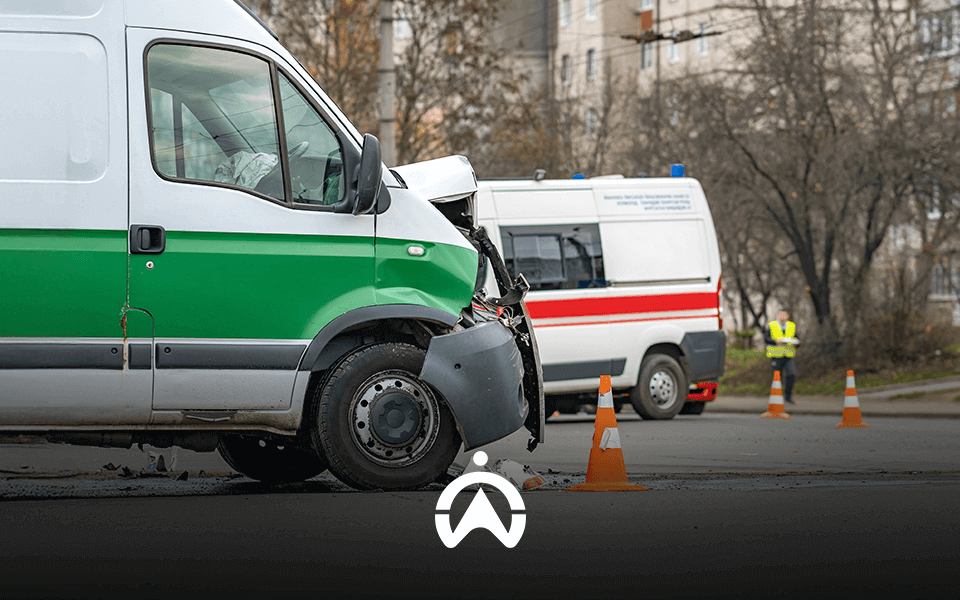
(662, 389)
(379, 425)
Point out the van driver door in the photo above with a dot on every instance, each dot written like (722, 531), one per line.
(234, 246)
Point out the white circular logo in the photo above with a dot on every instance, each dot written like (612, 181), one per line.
(480, 514)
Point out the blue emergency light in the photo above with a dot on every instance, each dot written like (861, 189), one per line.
(579, 176)
(676, 170)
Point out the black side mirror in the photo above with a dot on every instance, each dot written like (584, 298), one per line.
(362, 176)
(370, 176)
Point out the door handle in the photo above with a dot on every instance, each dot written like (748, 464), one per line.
(147, 239)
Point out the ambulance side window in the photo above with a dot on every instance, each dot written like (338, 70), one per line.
(555, 257)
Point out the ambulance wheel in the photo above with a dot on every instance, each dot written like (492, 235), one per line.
(270, 459)
(694, 407)
(379, 425)
(661, 391)
(549, 407)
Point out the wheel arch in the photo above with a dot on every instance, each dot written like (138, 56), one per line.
(328, 345)
(663, 339)
(349, 331)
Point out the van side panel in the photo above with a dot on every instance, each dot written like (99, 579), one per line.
(63, 196)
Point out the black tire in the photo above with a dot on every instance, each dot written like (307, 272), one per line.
(379, 425)
(693, 407)
(661, 390)
(268, 459)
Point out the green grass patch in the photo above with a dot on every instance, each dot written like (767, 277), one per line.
(908, 396)
(748, 372)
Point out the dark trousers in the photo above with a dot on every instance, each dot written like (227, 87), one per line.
(787, 374)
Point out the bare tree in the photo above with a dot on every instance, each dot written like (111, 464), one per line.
(812, 149)
(337, 42)
(451, 80)
(822, 125)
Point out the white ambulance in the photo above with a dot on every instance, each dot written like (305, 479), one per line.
(624, 279)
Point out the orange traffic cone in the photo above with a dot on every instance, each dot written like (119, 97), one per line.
(851, 405)
(775, 406)
(606, 471)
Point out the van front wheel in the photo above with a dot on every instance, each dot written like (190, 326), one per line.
(379, 425)
(662, 388)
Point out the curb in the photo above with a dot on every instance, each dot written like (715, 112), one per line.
(818, 413)
(945, 382)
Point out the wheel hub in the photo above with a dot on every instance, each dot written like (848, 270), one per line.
(395, 418)
(663, 389)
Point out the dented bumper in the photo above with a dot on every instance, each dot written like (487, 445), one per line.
(480, 373)
(489, 371)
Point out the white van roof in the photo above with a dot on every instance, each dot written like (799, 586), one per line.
(225, 18)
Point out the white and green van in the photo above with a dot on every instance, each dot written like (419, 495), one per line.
(198, 249)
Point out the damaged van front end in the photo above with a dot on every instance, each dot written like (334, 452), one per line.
(488, 366)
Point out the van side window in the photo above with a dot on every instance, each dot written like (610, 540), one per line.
(213, 118)
(555, 257)
(316, 165)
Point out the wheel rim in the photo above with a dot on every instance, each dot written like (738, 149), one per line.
(395, 419)
(663, 389)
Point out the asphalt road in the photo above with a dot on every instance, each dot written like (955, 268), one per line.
(738, 506)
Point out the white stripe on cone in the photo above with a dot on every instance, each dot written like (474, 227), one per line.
(776, 398)
(606, 400)
(851, 401)
(610, 438)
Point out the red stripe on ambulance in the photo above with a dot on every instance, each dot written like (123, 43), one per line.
(623, 305)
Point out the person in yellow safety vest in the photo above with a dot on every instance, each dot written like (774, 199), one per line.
(782, 342)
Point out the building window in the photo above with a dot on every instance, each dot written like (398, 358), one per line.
(945, 277)
(591, 64)
(646, 56)
(703, 43)
(591, 10)
(935, 33)
(591, 123)
(564, 13)
(401, 26)
(646, 5)
(674, 51)
(565, 70)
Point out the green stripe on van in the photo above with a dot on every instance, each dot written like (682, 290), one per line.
(252, 286)
(62, 283)
(66, 283)
(443, 277)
